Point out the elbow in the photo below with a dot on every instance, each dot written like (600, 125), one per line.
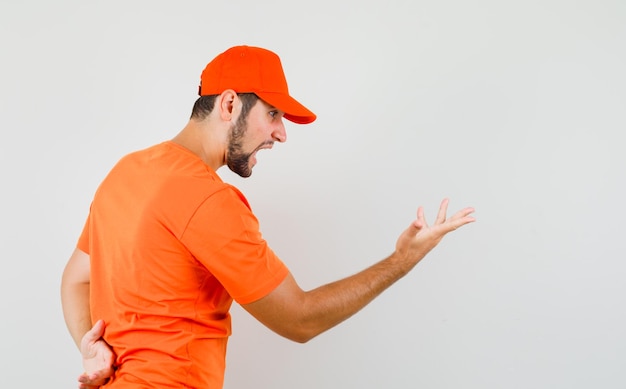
(302, 340)
(305, 334)
(300, 336)
(302, 332)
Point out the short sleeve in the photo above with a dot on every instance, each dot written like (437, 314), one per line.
(83, 240)
(224, 236)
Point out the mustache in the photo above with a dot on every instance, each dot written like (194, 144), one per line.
(266, 143)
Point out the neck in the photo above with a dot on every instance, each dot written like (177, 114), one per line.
(205, 141)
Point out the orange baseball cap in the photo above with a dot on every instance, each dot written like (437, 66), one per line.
(247, 69)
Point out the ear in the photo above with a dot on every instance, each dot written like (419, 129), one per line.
(227, 102)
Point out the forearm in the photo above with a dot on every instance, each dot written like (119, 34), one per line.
(329, 305)
(98, 359)
(300, 316)
(75, 301)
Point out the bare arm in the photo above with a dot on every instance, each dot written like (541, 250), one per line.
(98, 359)
(300, 316)
(75, 295)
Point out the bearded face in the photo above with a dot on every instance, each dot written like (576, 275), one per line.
(258, 126)
(237, 160)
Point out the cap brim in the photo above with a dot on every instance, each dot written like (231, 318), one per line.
(294, 111)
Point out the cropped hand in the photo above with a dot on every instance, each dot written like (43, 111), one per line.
(419, 238)
(98, 358)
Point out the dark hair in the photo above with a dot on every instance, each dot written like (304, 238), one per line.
(205, 104)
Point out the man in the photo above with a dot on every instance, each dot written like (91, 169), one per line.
(168, 245)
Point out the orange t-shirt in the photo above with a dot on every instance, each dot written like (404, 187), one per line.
(171, 245)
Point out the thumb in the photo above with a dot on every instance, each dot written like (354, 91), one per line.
(417, 225)
(420, 222)
(95, 332)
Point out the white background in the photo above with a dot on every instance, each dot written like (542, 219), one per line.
(514, 107)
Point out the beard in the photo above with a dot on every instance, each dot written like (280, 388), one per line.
(237, 160)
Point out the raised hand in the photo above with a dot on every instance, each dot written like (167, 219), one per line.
(419, 238)
(98, 358)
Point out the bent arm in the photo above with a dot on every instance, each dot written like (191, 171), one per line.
(75, 295)
(300, 316)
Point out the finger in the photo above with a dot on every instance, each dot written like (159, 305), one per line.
(87, 382)
(421, 220)
(94, 383)
(461, 218)
(86, 379)
(95, 332)
(443, 210)
(462, 213)
(418, 223)
(93, 378)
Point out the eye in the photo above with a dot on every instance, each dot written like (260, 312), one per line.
(273, 113)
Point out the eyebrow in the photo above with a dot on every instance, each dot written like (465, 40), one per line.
(272, 108)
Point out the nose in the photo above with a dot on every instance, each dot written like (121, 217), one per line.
(280, 134)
